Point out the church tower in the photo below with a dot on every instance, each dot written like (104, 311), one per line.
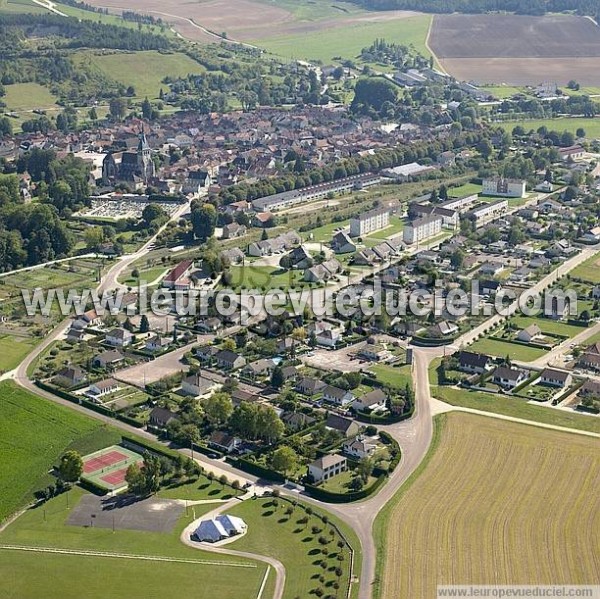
(144, 158)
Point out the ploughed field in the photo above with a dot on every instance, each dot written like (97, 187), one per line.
(517, 49)
(496, 503)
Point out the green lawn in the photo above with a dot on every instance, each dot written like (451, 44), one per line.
(504, 91)
(501, 349)
(394, 376)
(463, 190)
(20, 6)
(199, 490)
(588, 270)
(395, 227)
(326, 232)
(515, 407)
(28, 96)
(349, 39)
(591, 125)
(144, 70)
(548, 326)
(14, 349)
(265, 277)
(35, 433)
(76, 576)
(272, 532)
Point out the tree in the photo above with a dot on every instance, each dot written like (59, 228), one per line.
(457, 259)
(204, 221)
(153, 213)
(485, 148)
(144, 324)
(70, 467)
(365, 469)
(580, 132)
(218, 408)
(117, 108)
(229, 344)
(284, 459)
(146, 108)
(277, 378)
(135, 480)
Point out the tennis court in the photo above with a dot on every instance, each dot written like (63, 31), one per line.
(107, 468)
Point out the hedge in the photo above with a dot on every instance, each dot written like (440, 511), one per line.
(256, 469)
(387, 439)
(76, 399)
(92, 487)
(129, 420)
(390, 419)
(331, 497)
(139, 444)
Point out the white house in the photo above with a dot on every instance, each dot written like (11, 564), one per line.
(374, 400)
(101, 388)
(196, 385)
(555, 378)
(528, 334)
(119, 338)
(509, 378)
(326, 467)
(359, 448)
(335, 395)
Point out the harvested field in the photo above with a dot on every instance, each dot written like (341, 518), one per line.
(250, 20)
(524, 511)
(517, 50)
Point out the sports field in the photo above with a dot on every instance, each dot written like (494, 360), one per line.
(525, 510)
(107, 467)
(35, 433)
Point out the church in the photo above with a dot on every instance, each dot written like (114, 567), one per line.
(129, 167)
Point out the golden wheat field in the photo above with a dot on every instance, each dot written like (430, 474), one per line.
(498, 502)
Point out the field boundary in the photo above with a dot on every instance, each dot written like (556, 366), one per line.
(131, 556)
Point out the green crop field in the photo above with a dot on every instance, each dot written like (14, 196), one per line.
(348, 40)
(22, 97)
(501, 349)
(591, 125)
(35, 432)
(487, 520)
(145, 71)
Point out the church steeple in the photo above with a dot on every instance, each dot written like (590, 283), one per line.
(144, 156)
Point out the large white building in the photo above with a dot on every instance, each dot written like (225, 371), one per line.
(366, 223)
(326, 467)
(504, 188)
(422, 228)
(486, 213)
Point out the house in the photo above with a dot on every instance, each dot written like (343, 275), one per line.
(70, 376)
(358, 448)
(299, 257)
(119, 338)
(259, 368)
(223, 441)
(195, 182)
(555, 378)
(229, 360)
(571, 153)
(590, 388)
(178, 277)
(491, 269)
(91, 318)
(342, 244)
(326, 333)
(488, 288)
(196, 385)
(75, 335)
(326, 467)
(346, 426)
(373, 401)
(444, 328)
(297, 421)
(239, 396)
(233, 230)
(290, 373)
(206, 353)
(375, 352)
(107, 359)
(208, 325)
(158, 343)
(233, 256)
(589, 360)
(474, 363)
(528, 334)
(310, 386)
(339, 397)
(104, 387)
(507, 377)
(160, 417)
